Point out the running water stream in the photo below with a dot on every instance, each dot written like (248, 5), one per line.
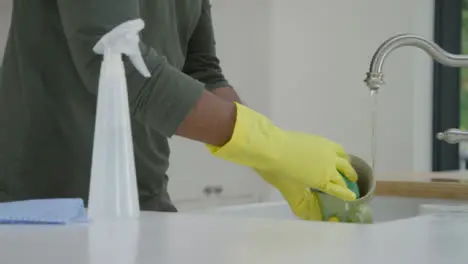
(373, 94)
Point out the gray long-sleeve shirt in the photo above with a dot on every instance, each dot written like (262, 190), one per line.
(49, 84)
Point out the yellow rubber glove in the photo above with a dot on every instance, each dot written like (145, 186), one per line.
(309, 160)
(304, 203)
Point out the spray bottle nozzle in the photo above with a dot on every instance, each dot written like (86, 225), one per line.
(124, 39)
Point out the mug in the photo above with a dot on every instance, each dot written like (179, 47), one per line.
(357, 211)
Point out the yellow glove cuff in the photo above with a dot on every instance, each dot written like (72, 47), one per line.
(250, 141)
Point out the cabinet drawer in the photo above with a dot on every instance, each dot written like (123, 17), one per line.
(239, 200)
(195, 175)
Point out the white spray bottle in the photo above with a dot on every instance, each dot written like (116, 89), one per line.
(113, 187)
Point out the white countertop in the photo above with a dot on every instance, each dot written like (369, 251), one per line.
(190, 239)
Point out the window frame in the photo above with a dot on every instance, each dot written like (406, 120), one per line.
(446, 83)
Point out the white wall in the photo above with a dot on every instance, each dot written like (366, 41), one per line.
(320, 53)
(5, 15)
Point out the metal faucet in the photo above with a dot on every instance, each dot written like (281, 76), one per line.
(374, 79)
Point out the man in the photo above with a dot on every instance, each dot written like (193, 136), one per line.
(48, 102)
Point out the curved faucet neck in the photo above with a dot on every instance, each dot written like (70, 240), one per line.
(431, 48)
(375, 77)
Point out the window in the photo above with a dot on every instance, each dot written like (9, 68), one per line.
(450, 100)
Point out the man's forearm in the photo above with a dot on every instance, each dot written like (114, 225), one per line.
(213, 118)
(210, 121)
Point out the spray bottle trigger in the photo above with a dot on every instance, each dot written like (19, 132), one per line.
(139, 63)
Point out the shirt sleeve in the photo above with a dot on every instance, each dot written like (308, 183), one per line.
(162, 101)
(202, 62)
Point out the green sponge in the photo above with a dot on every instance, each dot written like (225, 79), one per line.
(353, 186)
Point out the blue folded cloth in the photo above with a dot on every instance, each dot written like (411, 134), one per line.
(43, 211)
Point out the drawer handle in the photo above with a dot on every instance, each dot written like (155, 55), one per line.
(218, 190)
(209, 190)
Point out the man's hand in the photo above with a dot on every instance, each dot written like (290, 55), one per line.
(310, 160)
(301, 200)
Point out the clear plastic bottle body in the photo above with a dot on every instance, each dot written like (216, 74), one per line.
(113, 187)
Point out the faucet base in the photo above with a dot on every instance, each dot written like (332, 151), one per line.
(453, 136)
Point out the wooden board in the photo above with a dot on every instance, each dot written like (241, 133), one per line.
(434, 190)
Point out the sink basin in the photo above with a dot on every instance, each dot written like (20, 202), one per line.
(384, 209)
